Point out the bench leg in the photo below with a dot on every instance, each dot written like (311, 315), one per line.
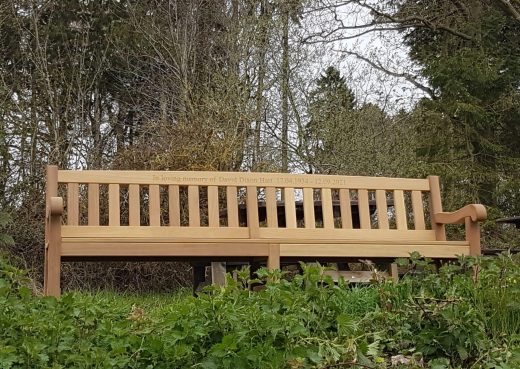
(273, 260)
(218, 273)
(52, 274)
(52, 271)
(393, 271)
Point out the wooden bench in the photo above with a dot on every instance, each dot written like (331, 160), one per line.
(140, 215)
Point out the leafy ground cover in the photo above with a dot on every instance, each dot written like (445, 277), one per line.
(466, 315)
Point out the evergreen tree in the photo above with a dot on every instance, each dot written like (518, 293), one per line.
(472, 128)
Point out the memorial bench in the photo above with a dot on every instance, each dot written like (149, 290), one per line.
(151, 215)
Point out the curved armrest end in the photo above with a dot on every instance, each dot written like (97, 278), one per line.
(56, 206)
(476, 212)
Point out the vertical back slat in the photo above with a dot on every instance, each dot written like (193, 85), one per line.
(382, 209)
(308, 208)
(213, 216)
(134, 205)
(174, 209)
(400, 210)
(326, 208)
(290, 208)
(93, 204)
(232, 206)
(345, 208)
(252, 212)
(271, 207)
(154, 205)
(193, 206)
(436, 207)
(114, 217)
(73, 204)
(364, 211)
(418, 211)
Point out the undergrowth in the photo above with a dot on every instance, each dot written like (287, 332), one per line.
(466, 315)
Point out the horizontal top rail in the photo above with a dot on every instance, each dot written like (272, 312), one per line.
(241, 179)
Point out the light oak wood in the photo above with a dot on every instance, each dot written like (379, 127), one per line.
(72, 204)
(308, 208)
(382, 209)
(271, 207)
(279, 180)
(364, 212)
(181, 249)
(326, 208)
(381, 235)
(400, 210)
(475, 212)
(213, 210)
(93, 204)
(193, 206)
(114, 212)
(436, 207)
(154, 205)
(393, 270)
(433, 250)
(218, 273)
(273, 260)
(134, 205)
(129, 232)
(345, 209)
(473, 236)
(252, 211)
(270, 243)
(290, 208)
(418, 210)
(52, 265)
(232, 206)
(174, 209)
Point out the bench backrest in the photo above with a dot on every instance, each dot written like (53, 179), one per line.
(211, 201)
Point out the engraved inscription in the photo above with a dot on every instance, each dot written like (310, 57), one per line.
(245, 180)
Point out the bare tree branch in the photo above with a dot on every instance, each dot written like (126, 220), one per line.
(420, 21)
(509, 8)
(408, 77)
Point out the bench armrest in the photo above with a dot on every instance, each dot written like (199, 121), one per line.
(476, 212)
(55, 206)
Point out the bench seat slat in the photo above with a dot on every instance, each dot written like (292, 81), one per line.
(381, 235)
(180, 249)
(437, 249)
(230, 248)
(129, 232)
